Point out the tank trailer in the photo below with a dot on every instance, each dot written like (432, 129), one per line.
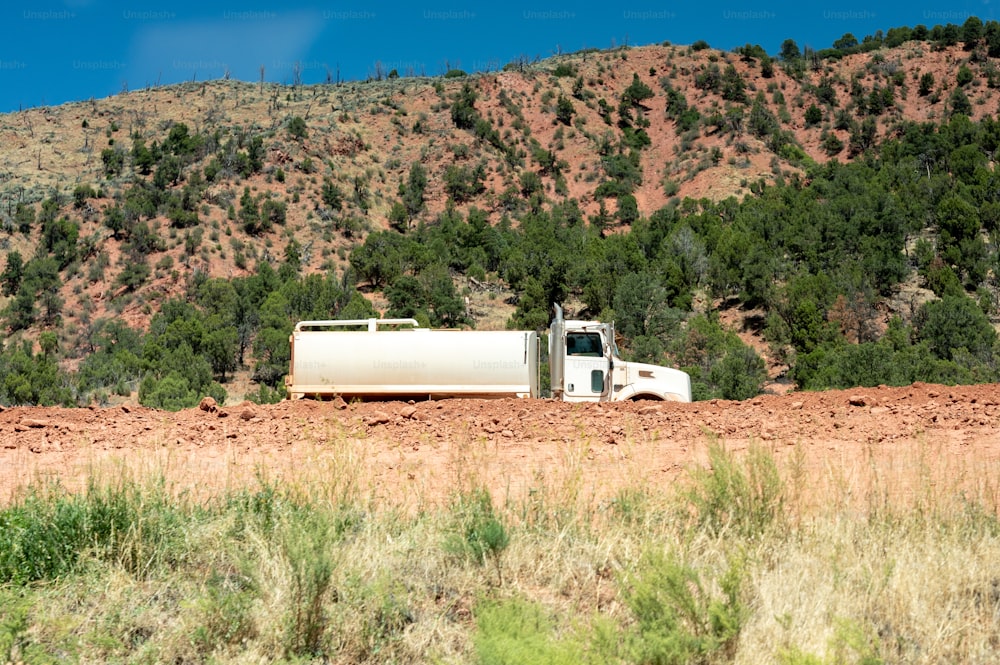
(384, 361)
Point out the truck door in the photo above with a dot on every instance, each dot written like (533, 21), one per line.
(586, 367)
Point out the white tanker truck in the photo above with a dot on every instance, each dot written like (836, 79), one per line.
(330, 359)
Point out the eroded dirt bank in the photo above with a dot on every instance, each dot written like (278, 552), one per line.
(917, 439)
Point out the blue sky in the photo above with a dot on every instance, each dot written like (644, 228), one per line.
(71, 50)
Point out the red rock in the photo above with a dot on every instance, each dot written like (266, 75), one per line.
(377, 418)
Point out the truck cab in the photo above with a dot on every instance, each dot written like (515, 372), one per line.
(585, 366)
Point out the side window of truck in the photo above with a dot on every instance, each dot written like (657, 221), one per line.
(583, 344)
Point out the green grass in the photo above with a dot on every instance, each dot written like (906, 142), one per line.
(712, 570)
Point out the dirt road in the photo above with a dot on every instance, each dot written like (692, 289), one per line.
(913, 440)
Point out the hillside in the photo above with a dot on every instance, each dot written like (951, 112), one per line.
(146, 196)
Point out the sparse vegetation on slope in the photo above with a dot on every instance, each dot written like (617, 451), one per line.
(695, 182)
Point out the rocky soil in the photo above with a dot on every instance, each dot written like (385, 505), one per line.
(914, 441)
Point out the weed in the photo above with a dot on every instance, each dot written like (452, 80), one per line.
(630, 506)
(478, 532)
(305, 543)
(15, 645)
(851, 643)
(384, 616)
(45, 535)
(225, 612)
(680, 618)
(746, 498)
(517, 631)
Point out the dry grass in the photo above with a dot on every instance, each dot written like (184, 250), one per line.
(907, 593)
(321, 562)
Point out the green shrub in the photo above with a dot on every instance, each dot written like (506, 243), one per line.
(265, 395)
(964, 76)
(297, 128)
(16, 645)
(851, 642)
(46, 534)
(959, 103)
(80, 195)
(955, 322)
(225, 616)
(680, 618)
(831, 144)
(517, 632)
(813, 116)
(743, 497)
(740, 374)
(305, 542)
(478, 534)
(564, 69)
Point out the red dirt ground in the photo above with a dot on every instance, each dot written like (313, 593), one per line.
(917, 440)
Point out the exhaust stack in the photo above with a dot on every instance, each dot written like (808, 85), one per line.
(557, 353)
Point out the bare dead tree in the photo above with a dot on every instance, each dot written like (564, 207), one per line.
(297, 75)
(521, 62)
(262, 79)
(139, 119)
